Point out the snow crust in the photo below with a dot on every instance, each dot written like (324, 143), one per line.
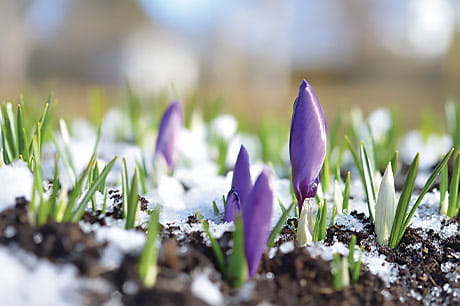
(16, 181)
(203, 288)
(27, 280)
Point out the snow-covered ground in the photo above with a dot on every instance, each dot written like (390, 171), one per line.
(193, 187)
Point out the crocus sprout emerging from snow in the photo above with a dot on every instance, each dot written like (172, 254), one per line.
(257, 214)
(385, 208)
(241, 186)
(307, 143)
(170, 127)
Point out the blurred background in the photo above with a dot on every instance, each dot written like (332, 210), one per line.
(251, 55)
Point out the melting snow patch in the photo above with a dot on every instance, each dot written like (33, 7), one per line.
(427, 217)
(349, 223)
(27, 280)
(16, 181)
(326, 252)
(120, 241)
(206, 290)
(287, 247)
(378, 265)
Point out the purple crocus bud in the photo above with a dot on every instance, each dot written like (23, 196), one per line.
(233, 207)
(307, 143)
(241, 185)
(257, 215)
(170, 126)
(241, 181)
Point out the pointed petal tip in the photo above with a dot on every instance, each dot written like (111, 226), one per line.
(388, 177)
(243, 150)
(241, 181)
(304, 84)
(267, 171)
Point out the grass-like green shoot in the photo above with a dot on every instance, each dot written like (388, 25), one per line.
(366, 172)
(130, 195)
(133, 201)
(346, 192)
(216, 249)
(344, 268)
(319, 231)
(274, 234)
(450, 201)
(237, 272)
(233, 268)
(148, 267)
(74, 210)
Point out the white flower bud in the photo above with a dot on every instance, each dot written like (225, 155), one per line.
(306, 223)
(338, 197)
(386, 207)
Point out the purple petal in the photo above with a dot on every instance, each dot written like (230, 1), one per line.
(241, 181)
(257, 215)
(170, 126)
(232, 208)
(307, 143)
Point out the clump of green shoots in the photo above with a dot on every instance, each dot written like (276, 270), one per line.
(367, 171)
(60, 206)
(148, 267)
(401, 218)
(450, 201)
(17, 137)
(310, 228)
(233, 268)
(346, 268)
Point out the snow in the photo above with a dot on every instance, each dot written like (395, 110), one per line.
(349, 222)
(379, 123)
(120, 241)
(378, 265)
(27, 280)
(224, 126)
(206, 290)
(430, 149)
(427, 217)
(287, 247)
(16, 180)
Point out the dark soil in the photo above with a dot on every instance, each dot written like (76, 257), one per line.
(420, 252)
(295, 278)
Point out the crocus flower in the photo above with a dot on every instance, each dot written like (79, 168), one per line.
(241, 186)
(257, 214)
(385, 208)
(232, 207)
(170, 126)
(307, 143)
